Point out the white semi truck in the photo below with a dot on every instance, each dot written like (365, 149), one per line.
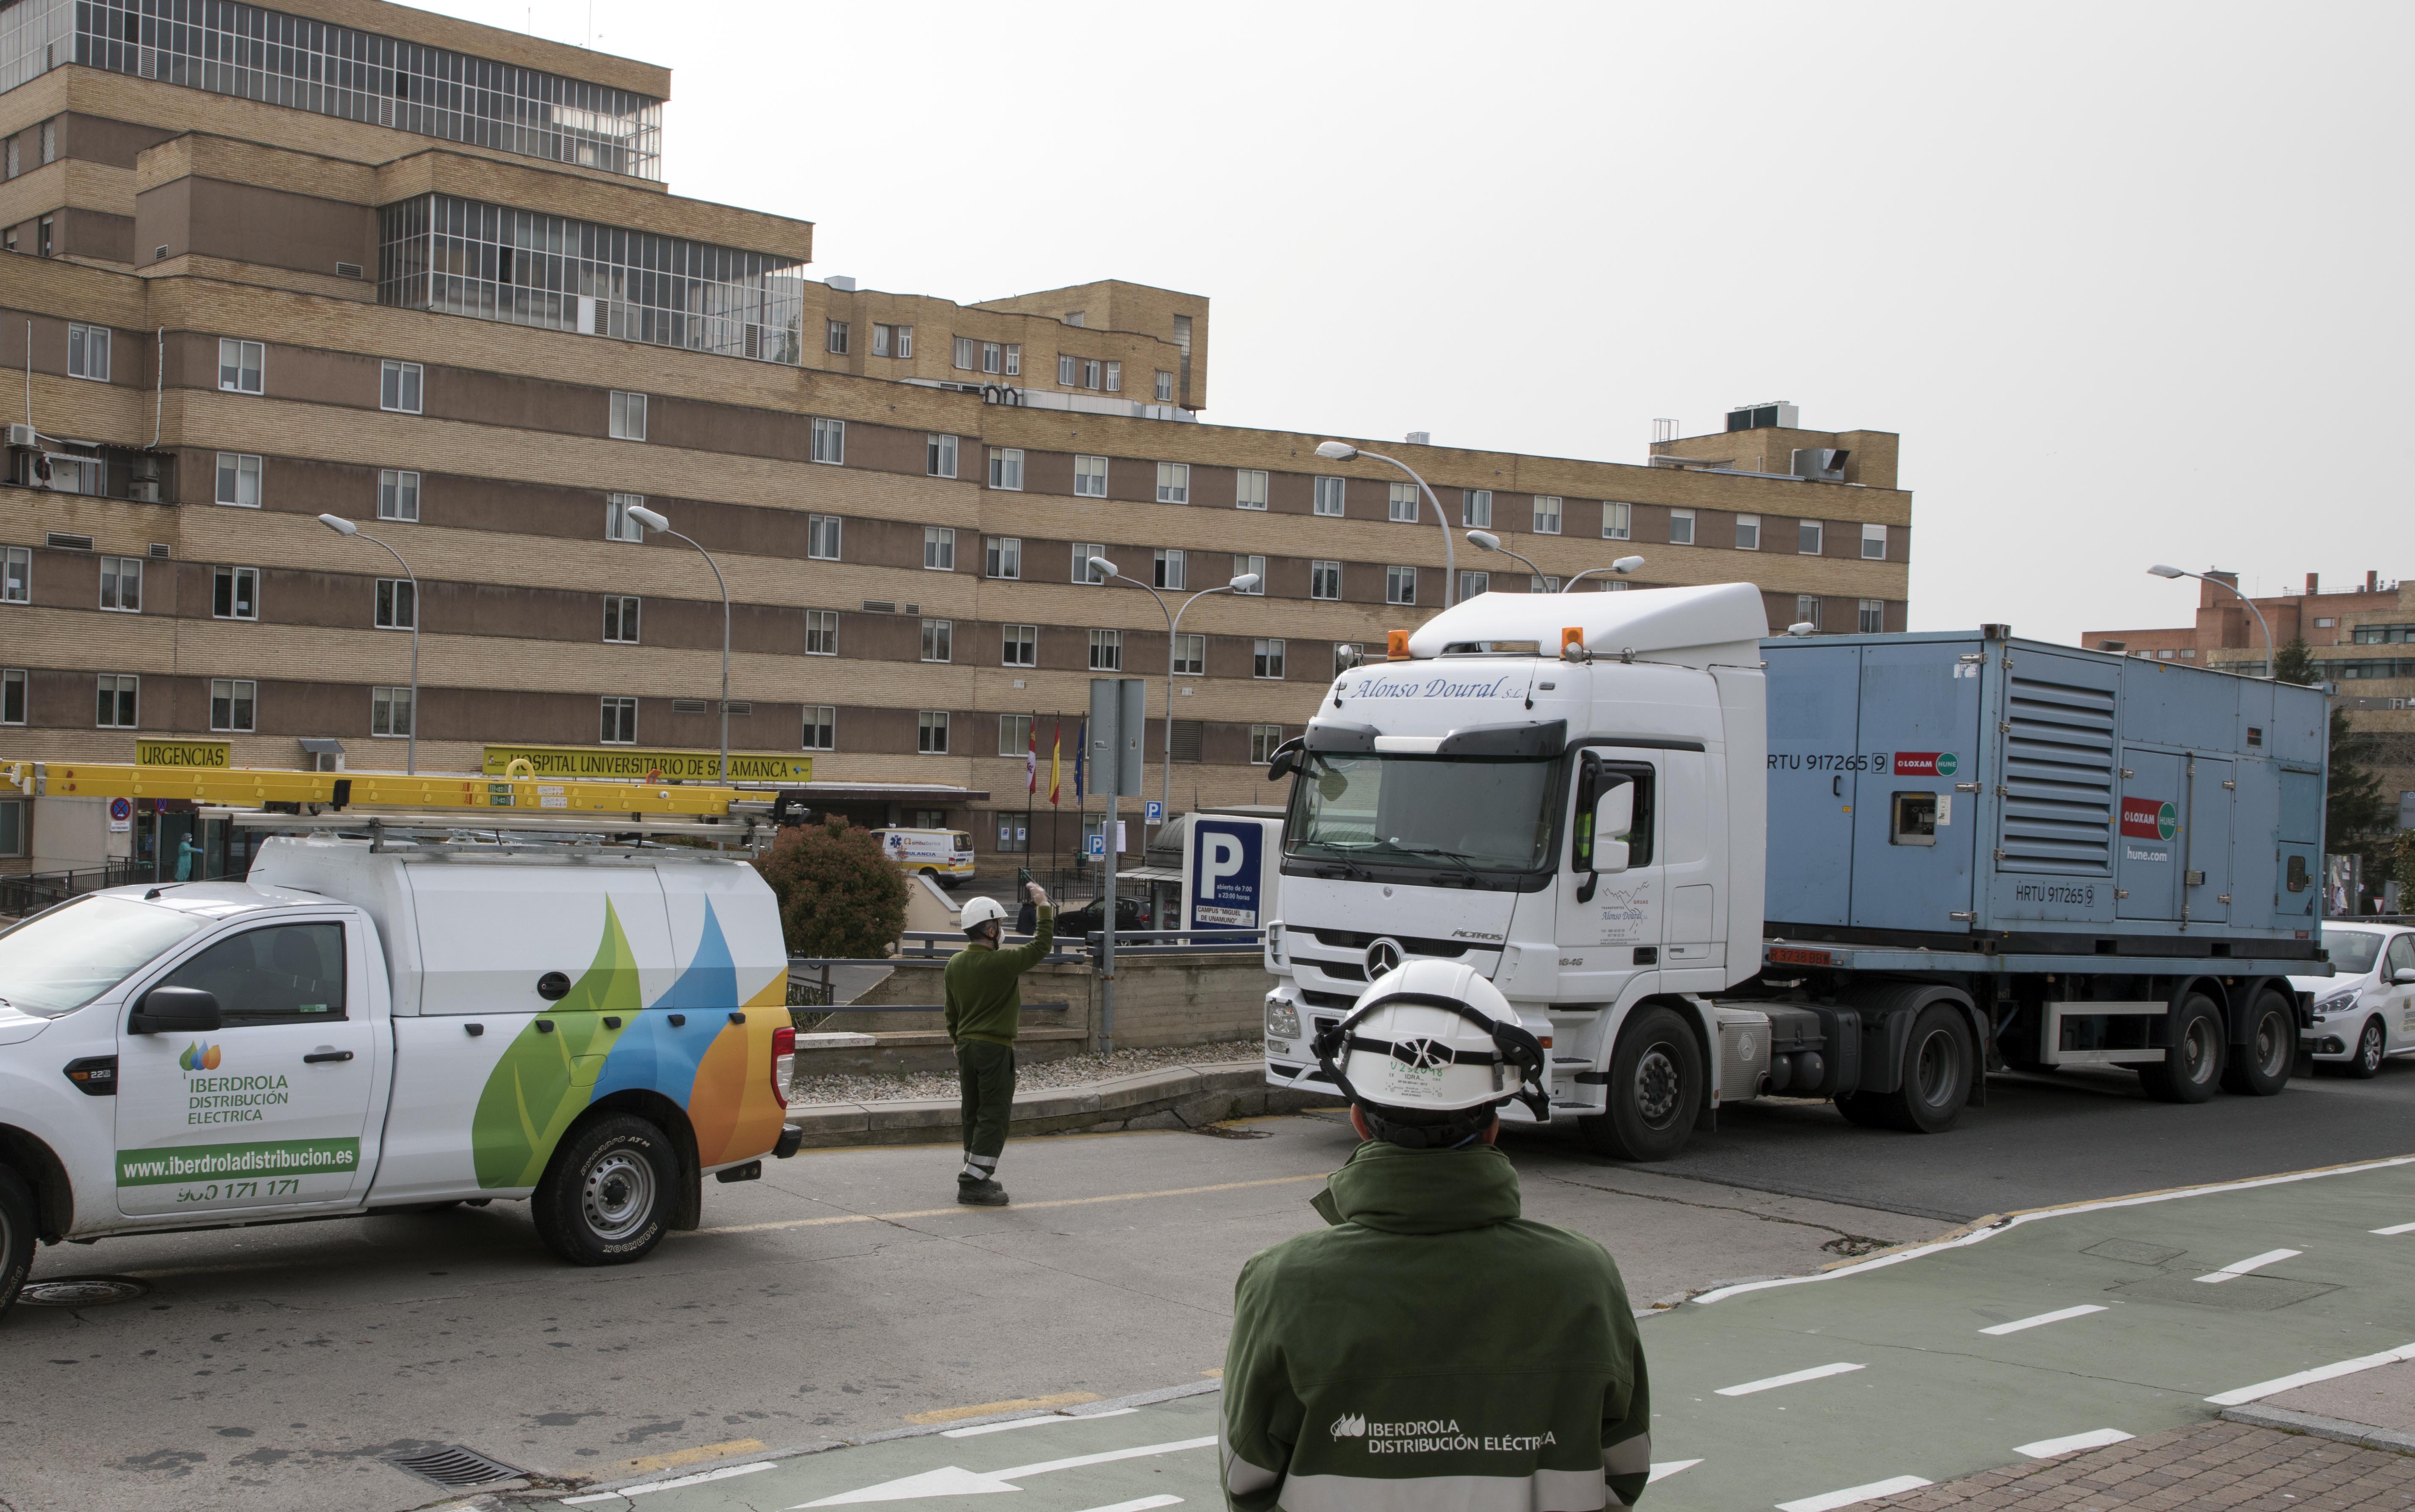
(1705, 866)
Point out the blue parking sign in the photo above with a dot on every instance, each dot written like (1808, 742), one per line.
(1156, 811)
(1098, 848)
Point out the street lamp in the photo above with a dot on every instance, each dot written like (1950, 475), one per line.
(1487, 541)
(344, 527)
(654, 520)
(2159, 570)
(1342, 451)
(1246, 583)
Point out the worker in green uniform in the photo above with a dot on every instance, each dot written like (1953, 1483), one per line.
(984, 1006)
(1432, 1348)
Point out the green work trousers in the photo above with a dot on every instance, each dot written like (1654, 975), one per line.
(986, 1073)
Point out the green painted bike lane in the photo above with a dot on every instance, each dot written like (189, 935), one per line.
(1914, 1390)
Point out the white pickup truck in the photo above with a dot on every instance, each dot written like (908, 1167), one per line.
(377, 1024)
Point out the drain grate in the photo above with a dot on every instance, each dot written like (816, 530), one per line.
(453, 1466)
(81, 1292)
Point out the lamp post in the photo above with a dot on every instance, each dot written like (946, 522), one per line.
(2159, 570)
(1487, 541)
(1246, 583)
(1342, 451)
(344, 527)
(654, 520)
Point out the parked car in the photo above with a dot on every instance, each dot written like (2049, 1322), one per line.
(2364, 1011)
(1130, 913)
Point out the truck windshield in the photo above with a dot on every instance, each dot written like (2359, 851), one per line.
(1438, 813)
(56, 962)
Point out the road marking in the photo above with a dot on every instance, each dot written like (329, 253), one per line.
(2008, 1222)
(990, 1409)
(1140, 1504)
(2307, 1378)
(2398, 1228)
(1773, 1383)
(670, 1485)
(729, 1449)
(2042, 1319)
(2096, 1438)
(955, 1480)
(1016, 1208)
(979, 1429)
(1829, 1501)
(2241, 1268)
(1667, 1468)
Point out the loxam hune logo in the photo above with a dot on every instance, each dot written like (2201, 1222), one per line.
(201, 1055)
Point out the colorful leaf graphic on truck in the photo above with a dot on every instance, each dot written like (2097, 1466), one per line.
(719, 1071)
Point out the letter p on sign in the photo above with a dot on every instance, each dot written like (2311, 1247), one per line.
(1224, 859)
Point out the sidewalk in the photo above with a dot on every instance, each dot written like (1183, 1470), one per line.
(2222, 1464)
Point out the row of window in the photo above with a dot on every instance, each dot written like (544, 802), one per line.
(50, 147)
(235, 704)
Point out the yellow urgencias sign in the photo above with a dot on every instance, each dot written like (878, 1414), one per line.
(587, 762)
(183, 754)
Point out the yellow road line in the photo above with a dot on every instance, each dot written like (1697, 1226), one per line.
(1018, 1208)
(956, 1415)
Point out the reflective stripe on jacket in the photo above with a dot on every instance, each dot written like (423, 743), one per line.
(1433, 1352)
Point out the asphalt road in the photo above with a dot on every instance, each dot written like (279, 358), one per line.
(844, 1294)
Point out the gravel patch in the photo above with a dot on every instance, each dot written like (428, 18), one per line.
(1073, 1071)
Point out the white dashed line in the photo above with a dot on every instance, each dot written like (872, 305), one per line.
(2307, 1378)
(1791, 1378)
(979, 1429)
(2042, 1319)
(1141, 1505)
(1667, 1468)
(2241, 1268)
(1830, 1501)
(2395, 1228)
(2096, 1438)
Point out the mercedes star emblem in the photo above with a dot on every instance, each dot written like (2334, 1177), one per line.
(1382, 957)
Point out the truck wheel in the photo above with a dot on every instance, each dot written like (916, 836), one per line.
(2260, 1067)
(2191, 1067)
(1656, 1088)
(2366, 1062)
(1936, 1074)
(17, 1221)
(606, 1198)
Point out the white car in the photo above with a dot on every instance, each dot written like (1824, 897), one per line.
(2365, 1011)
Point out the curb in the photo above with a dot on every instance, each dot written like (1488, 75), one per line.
(1177, 1096)
(2315, 1426)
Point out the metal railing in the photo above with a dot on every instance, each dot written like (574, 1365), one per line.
(1182, 941)
(33, 892)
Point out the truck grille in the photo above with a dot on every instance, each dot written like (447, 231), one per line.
(2059, 779)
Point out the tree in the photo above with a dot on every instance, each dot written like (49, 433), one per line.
(2295, 664)
(839, 897)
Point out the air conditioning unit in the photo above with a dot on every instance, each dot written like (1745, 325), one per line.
(1823, 464)
(142, 480)
(1758, 416)
(23, 436)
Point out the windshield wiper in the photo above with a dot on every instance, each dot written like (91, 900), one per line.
(1462, 856)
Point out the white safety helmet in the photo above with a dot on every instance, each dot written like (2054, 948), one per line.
(1433, 1036)
(978, 912)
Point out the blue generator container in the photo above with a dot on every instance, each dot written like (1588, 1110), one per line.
(1969, 791)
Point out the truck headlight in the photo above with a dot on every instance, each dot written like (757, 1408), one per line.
(1283, 1020)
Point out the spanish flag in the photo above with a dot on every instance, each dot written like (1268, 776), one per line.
(1056, 761)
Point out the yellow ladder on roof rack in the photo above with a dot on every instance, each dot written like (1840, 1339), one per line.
(258, 787)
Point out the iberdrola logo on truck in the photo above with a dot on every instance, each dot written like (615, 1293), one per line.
(200, 1056)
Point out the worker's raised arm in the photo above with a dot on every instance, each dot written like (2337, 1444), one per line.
(1043, 937)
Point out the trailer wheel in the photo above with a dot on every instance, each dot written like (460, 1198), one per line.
(2191, 1067)
(1936, 1074)
(2260, 1067)
(17, 1221)
(1656, 1088)
(606, 1198)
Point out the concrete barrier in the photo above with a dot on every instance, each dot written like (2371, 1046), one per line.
(1180, 1096)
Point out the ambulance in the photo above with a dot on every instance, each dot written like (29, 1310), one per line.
(945, 856)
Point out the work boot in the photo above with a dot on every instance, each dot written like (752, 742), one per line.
(986, 1193)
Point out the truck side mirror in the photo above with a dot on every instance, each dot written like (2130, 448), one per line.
(1609, 856)
(1284, 759)
(176, 1011)
(1614, 815)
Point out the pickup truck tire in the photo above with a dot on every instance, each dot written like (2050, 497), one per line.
(1936, 1074)
(1655, 1091)
(2191, 1067)
(2260, 1067)
(17, 1221)
(607, 1197)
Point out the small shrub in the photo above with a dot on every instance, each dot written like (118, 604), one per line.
(838, 895)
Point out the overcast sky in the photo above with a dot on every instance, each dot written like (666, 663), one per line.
(2131, 281)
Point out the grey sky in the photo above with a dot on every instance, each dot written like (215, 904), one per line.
(2130, 280)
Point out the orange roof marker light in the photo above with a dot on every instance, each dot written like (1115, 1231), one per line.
(1572, 642)
(1396, 645)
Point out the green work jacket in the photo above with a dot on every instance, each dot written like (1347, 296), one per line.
(1432, 1350)
(984, 998)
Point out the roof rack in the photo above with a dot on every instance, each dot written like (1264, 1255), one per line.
(509, 833)
(387, 804)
